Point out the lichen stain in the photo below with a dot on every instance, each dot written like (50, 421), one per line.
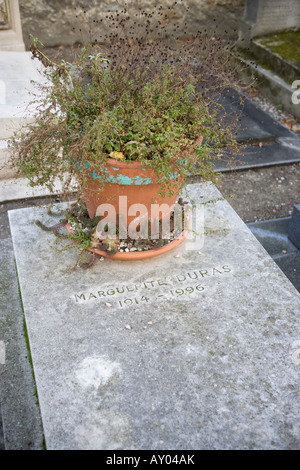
(97, 372)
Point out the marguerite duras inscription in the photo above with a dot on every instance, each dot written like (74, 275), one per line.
(182, 285)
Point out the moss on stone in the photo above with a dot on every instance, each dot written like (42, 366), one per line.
(285, 44)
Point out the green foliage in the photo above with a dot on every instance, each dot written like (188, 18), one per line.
(155, 104)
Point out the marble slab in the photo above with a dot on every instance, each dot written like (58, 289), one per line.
(198, 348)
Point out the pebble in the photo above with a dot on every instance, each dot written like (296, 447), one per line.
(108, 305)
(128, 327)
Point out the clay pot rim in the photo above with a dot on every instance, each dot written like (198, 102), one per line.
(126, 164)
(121, 164)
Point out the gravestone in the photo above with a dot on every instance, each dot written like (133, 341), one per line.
(194, 349)
(262, 17)
(11, 38)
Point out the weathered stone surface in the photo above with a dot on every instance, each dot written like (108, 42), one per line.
(64, 23)
(18, 73)
(267, 16)
(13, 189)
(75, 20)
(195, 349)
(280, 53)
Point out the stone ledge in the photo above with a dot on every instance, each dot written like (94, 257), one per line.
(283, 67)
(13, 189)
(271, 85)
(22, 427)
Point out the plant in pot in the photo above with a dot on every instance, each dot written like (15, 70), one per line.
(128, 121)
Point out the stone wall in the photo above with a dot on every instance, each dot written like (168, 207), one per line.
(4, 15)
(10, 26)
(56, 22)
(263, 17)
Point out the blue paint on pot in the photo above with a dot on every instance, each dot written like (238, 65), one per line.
(95, 176)
(116, 179)
(139, 180)
(120, 178)
(126, 180)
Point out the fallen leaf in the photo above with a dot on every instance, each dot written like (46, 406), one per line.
(117, 155)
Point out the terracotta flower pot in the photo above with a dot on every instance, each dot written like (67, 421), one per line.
(137, 185)
(140, 186)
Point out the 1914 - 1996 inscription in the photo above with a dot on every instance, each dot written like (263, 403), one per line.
(180, 285)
